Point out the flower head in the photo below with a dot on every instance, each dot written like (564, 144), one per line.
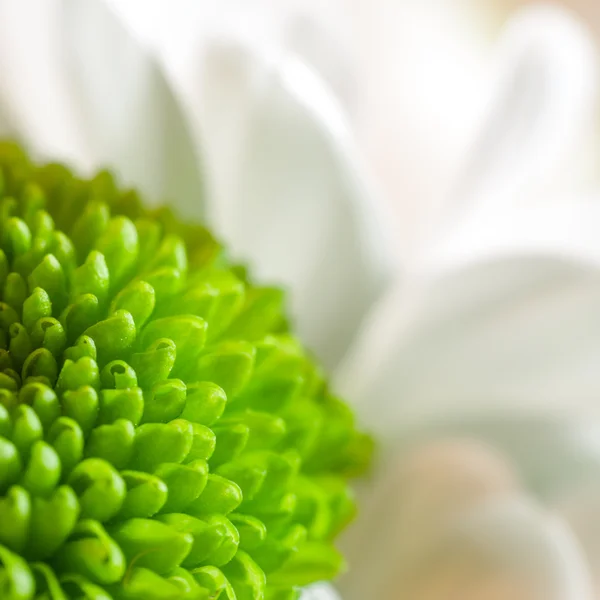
(162, 433)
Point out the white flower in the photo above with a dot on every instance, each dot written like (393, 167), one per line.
(493, 316)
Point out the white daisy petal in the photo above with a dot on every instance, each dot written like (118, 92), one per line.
(34, 85)
(133, 123)
(289, 193)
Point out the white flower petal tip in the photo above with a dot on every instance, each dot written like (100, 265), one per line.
(321, 591)
(289, 191)
(131, 119)
(541, 109)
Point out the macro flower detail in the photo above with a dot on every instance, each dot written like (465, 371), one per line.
(162, 433)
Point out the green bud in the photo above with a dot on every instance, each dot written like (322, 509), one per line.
(119, 244)
(217, 298)
(5, 422)
(220, 496)
(138, 298)
(73, 375)
(15, 291)
(252, 531)
(166, 283)
(246, 576)
(231, 442)
(10, 464)
(100, 489)
(92, 277)
(314, 561)
(205, 403)
(215, 539)
(121, 404)
(113, 443)
(82, 405)
(16, 237)
(35, 307)
(20, 344)
(52, 520)
(261, 315)
(27, 429)
(46, 582)
(8, 315)
(187, 331)
(49, 333)
(185, 483)
(77, 586)
(118, 375)
(145, 584)
(80, 315)
(89, 227)
(92, 553)
(64, 250)
(66, 437)
(204, 443)
(4, 268)
(189, 588)
(41, 225)
(155, 364)
(156, 443)
(146, 495)
(84, 346)
(16, 580)
(113, 336)
(212, 579)
(153, 544)
(43, 470)
(15, 516)
(248, 473)
(32, 201)
(265, 429)
(229, 366)
(165, 401)
(49, 275)
(149, 235)
(40, 364)
(43, 400)
(171, 253)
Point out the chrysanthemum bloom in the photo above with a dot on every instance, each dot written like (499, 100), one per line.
(277, 154)
(163, 435)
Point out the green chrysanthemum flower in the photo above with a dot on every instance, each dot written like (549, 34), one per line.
(162, 435)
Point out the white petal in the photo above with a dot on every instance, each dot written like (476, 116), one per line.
(541, 110)
(289, 193)
(514, 337)
(34, 84)
(320, 591)
(133, 123)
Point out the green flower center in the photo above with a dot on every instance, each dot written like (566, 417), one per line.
(162, 434)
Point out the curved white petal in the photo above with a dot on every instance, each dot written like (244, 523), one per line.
(541, 111)
(514, 337)
(288, 191)
(131, 120)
